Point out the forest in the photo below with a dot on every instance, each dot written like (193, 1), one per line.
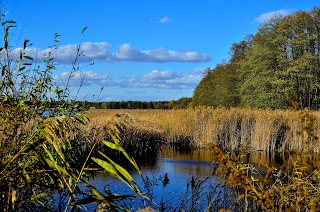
(276, 68)
(183, 102)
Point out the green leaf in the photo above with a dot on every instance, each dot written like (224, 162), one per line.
(119, 169)
(3, 72)
(58, 149)
(57, 35)
(94, 191)
(27, 176)
(107, 167)
(28, 57)
(25, 44)
(21, 102)
(82, 118)
(84, 29)
(116, 145)
(53, 177)
(8, 22)
(54, 165)
(26, 148)
(92, 169)
(112, 171)
(27, 64)
(40, 158)
(252, 178)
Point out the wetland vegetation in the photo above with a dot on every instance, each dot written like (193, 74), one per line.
(53, 157)
(231, 129)
(291, 183)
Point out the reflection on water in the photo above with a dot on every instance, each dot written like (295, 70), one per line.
(182, 168)
(255, 157)
(195, 155)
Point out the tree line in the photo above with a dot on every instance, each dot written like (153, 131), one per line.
(183, 102)
(277, 68)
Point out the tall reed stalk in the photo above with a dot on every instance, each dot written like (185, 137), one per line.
(231, 129)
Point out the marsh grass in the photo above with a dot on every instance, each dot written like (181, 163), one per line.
(231, 129)
(288, 137)
(292, 186)
(140, 144)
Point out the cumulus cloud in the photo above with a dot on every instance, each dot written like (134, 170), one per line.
(153, 79)
(165, 79)
(81, 78)
(160, 75)
(161, 79)
(165, 20)
(267, 16)
(101, 52)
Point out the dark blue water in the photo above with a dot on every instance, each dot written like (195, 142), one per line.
(190, 179)
(191, 185)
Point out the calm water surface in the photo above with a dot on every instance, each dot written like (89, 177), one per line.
(181, 167)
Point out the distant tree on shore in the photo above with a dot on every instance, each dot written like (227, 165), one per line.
(173, 104)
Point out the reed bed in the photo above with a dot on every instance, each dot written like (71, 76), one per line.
(231, 129)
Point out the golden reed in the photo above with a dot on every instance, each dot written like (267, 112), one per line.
(232, 129)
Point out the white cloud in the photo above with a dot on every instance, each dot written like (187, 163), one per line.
(165, 20)
(153, 79)
(162, 55)
(160, 75)
(100, 52)
(81, 78)
(165, 79)
(267, 16)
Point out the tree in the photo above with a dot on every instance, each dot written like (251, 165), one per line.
(258, 69)
(274, 68)
(282, 65)
(299, 56)
(220, 86)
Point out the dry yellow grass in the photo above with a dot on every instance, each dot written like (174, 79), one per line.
(232, 129)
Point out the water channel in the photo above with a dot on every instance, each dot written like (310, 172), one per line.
(191, 180)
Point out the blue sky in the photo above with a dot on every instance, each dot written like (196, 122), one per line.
(147, 50)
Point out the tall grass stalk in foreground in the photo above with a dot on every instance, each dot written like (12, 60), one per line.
(41, 139)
